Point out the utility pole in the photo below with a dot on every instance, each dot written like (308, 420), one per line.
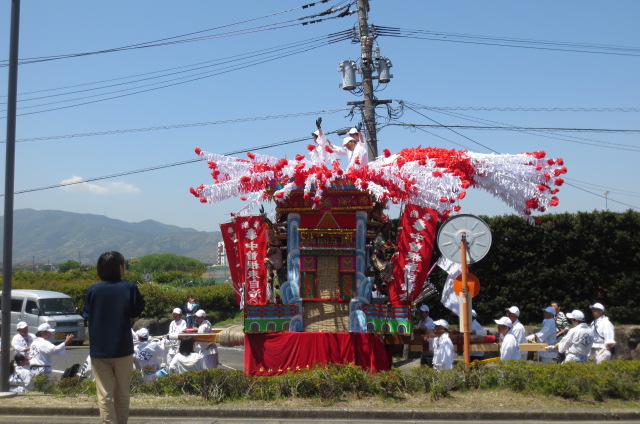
(369, 109)
(369, 64)
(7, 242)
(606, 200)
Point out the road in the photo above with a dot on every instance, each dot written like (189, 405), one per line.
(230, 358)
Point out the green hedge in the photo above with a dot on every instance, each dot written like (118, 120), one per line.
(611, 380)
(576, 259)
(218, 300)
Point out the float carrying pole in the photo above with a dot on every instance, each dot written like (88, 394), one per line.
(466, 299)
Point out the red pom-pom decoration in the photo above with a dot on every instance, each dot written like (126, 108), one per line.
(197, 150)
(387, 153)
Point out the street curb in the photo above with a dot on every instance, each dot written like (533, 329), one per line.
(337, 413)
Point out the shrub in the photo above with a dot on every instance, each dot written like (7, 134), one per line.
(612, 380)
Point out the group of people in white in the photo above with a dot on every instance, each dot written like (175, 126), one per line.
(33, 353)
(179, 356)
(568, 338)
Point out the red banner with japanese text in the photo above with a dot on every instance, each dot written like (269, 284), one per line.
(252, 249)
(229, 239)
(415, 245)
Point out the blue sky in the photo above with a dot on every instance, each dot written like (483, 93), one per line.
(426, 72)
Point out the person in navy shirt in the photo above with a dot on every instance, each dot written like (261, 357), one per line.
(111, 306)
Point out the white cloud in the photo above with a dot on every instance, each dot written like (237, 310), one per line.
(77, 184)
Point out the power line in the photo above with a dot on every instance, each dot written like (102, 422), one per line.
(534, 109)
(414, 127)
(450, 129)
(601, 196)
(153, 168)
(567, 138)
(278, 50)
(196, 77)
(507, 41)
(612, 190)
(517, 128)
(177, 126)
(179, 39)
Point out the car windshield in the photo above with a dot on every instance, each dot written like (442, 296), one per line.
(57, 307)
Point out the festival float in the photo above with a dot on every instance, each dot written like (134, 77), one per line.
(304, 279)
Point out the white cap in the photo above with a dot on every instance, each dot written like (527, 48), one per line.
(46, 327)
(201, 313)
(316, 133)
(549, 309)
(347, 139)
(22, 325)
(504, 321)
(441, 323)
(353, 131)
(473, 313)
(143, 333)
(575, 314)
(424, 308)
(597, 306)
(177, 311)
(514, 310)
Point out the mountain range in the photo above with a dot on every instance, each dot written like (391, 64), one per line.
(47, 236)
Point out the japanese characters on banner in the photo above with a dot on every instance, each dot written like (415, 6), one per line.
(252, 250)
(413, 257)
(230, 246)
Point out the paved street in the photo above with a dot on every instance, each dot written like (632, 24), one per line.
(213, 419)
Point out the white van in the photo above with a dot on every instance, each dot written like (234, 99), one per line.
(36, 307)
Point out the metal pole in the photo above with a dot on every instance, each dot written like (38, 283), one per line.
(366, 44)
(7, 257)
(466, 299)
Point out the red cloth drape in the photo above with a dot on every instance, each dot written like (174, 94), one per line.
(415, 244)
(279, 353)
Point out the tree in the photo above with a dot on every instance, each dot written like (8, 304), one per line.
(163, 262)
(69, 265)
